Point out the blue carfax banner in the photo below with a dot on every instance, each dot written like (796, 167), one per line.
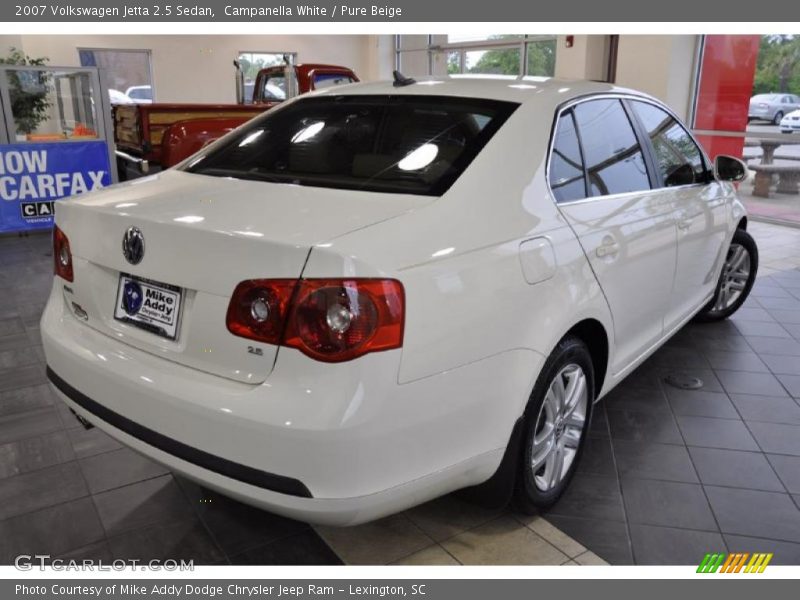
(34, 175)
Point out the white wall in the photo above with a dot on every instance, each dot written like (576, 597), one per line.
(197, 68)
(660, 65)
(586, 59)
(380, 59)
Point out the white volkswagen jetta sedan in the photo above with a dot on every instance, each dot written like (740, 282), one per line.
(378, 294)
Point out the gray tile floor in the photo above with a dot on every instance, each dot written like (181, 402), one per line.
(76, 493)
(668, 474)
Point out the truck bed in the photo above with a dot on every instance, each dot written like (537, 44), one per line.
(139, 128)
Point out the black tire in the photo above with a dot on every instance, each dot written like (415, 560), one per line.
(715, 312)
(529, 497)
(778, 117)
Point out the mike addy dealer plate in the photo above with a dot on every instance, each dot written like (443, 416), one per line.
(149, 305)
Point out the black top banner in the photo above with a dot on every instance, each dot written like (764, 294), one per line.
(463, 11)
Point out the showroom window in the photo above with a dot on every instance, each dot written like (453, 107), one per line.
(127, 73)
(744, 105)
(252, 62)
(614, 159)
(679, 159)
(493, 54)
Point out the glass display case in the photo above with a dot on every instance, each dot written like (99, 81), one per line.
(55, 141)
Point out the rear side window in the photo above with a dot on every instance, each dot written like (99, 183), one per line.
(326, 80)
(678, 158)
(401, 144)
(614, 160)
(566, 162)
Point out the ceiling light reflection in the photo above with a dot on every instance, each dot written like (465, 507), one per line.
(308, 132)
(419, 158)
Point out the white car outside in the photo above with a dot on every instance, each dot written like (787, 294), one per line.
(791, 122)
(117, 97)
(140, 94)
(376, 295)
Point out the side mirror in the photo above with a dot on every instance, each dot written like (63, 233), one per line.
(681, 175)
(728, 168)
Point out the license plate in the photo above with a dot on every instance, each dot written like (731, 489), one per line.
(149, 305)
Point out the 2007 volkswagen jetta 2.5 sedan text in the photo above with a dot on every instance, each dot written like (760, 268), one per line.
(377, 294)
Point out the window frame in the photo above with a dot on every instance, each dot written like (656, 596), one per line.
(654, 175)
(570, 113)
(519, 42)
(147, 51)
(652, 151)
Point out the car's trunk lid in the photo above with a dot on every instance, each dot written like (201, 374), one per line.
(203, 235)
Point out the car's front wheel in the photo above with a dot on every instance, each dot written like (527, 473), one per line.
(736, 280)
(555, 424)
(777, 119)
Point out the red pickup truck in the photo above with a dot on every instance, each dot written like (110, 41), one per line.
(149, 137)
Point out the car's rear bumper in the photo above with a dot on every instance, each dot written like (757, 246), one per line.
(337, 444)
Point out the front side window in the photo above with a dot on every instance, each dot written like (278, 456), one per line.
(614, 160)
(401, 144)
(679, 159)
(274, 88)
(566, 162)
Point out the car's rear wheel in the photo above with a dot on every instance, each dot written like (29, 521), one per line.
(555, 424)
(736, 280)
(777, 119)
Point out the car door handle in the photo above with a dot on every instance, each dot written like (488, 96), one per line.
(609, 247)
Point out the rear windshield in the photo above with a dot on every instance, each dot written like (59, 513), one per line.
(401, 144)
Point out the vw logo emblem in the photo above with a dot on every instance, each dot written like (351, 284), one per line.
(133, 245)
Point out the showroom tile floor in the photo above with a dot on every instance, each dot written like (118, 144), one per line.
(667, 476)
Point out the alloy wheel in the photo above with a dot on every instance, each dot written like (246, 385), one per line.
(735, 274)
(559, 427)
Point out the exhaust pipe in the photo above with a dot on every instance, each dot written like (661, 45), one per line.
(292, 88)
(82, 421)
(239, 82)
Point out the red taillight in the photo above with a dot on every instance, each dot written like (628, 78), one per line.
(245, 315)
(62, 257)
(331, 320)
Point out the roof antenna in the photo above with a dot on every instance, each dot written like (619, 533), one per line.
(401, 80)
